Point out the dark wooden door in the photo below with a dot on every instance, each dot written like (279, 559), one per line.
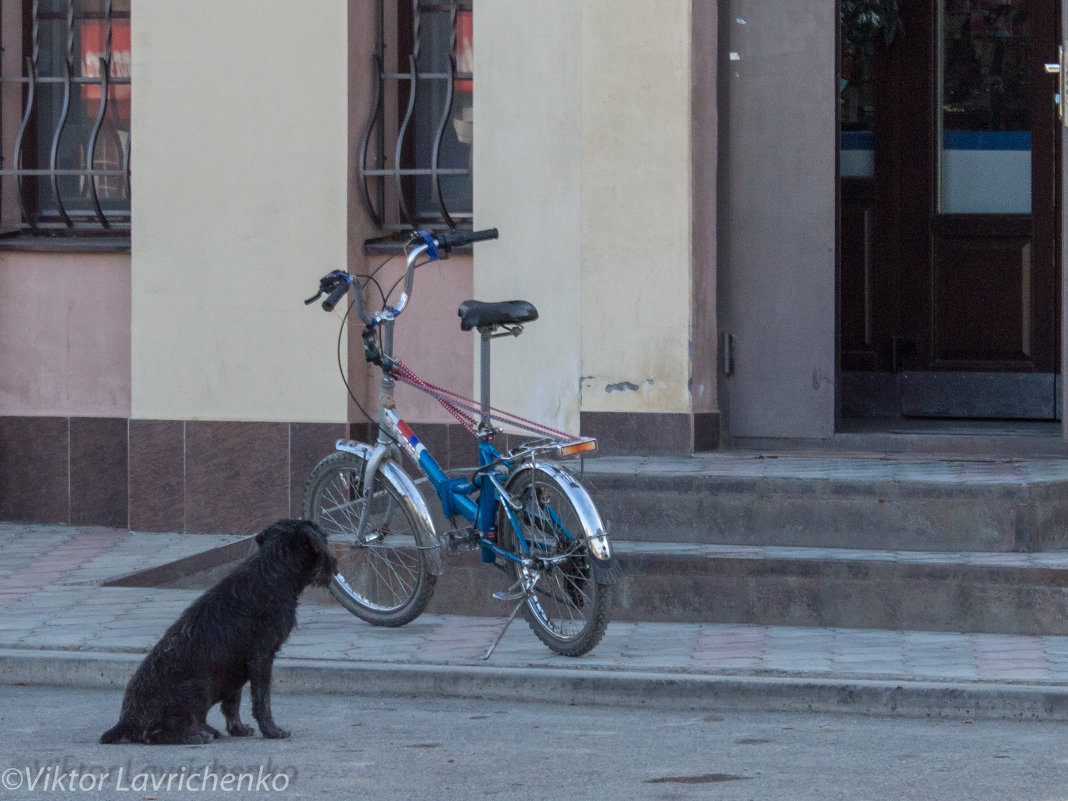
(949, 277)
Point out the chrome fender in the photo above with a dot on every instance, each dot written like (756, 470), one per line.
(413, 498)
(604, 564)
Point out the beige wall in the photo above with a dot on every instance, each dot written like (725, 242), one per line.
(587, 174)
(239, 206)
(704, 377)
(527, 183)
(65, 335)
(636, 178)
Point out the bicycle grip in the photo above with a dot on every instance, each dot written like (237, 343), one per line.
(456, 239)
(335, 295)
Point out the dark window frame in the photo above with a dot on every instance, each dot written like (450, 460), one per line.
(414, 168)
(65, 162)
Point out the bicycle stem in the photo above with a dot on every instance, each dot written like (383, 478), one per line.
(390, 313)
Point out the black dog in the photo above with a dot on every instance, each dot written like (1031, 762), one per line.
(228, 636)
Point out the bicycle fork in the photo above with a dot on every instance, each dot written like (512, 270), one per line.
(380, 461)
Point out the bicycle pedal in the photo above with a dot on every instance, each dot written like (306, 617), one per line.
(510, 596)
(462, 543)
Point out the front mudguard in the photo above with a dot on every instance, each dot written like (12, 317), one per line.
(604, 565)
(410, 493)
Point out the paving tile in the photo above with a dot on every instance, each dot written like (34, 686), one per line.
(73, 612)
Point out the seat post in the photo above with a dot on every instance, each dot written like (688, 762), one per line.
(485, 426)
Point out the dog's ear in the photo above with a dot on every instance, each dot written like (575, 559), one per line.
(312, 536)
(267, 532)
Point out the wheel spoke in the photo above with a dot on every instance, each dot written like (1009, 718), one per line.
(382, 570)
(567, 609)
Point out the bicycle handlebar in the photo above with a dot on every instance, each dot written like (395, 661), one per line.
(448, 241)
(335, 284)
(435, 246)
(331, 300)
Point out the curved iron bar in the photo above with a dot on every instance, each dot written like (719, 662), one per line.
(401, 133)
(126, 163)
(413, 90)
(435, 158)
(90, 159)
(53, 162)
(36, 31)
(417, 26)
(376, 216)
(31, 96)
(435, 174)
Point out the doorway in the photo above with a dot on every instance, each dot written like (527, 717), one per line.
(949, 203)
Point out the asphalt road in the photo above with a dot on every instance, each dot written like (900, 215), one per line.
(388, 747)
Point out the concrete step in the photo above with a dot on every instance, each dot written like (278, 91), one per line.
(928, 543)
(828, 588)
(996, 593)
(857, 501)
(847, 588)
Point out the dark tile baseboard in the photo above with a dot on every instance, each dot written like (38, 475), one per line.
(651, 433)
(63, 470)
(219, 476)
(158, 475)
(234, 477)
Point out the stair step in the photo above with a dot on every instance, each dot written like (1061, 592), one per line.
(882, 502)
(965, 544)
(997, 593)
(1000, 593)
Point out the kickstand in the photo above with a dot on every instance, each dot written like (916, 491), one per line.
(504, 628)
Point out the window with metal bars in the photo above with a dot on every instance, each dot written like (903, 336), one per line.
(65, 113)
(415, 154)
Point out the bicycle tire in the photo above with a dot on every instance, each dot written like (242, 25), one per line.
(383, 574)
(569, 609)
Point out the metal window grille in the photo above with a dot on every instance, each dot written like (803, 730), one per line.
(415, 154)
(66, 119)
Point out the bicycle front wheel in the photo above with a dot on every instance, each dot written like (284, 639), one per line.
(383, 573)
(568, 609)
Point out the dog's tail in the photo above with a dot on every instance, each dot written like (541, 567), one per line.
(116, 734)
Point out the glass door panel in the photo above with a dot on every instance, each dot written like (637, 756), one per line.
(856, 97)
(986, 101)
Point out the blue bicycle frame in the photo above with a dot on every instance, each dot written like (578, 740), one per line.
(458, 495)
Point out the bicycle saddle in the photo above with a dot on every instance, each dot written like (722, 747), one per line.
(476, 314)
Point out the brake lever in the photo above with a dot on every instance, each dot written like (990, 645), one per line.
(327, 284)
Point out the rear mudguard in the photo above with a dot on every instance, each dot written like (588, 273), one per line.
(413, 498)
(605, 566)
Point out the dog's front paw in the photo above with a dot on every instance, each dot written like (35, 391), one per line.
(240, 730)
(273, 732)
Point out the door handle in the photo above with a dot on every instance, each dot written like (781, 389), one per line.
(1062, 86)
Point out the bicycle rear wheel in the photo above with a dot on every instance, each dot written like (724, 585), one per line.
(568, 609)
(383, 574)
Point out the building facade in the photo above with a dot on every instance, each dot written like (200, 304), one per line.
(710, 268)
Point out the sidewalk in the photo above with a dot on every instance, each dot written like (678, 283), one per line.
(58, 625)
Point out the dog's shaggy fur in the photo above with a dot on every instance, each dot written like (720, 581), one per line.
(228, 636)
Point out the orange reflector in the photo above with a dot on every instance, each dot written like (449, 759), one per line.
(575, 448)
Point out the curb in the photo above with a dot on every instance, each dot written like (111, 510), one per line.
(589, 687)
